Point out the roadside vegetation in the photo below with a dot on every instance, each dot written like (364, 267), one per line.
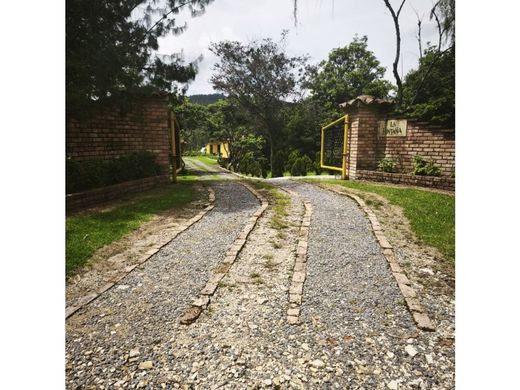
(206, 159)
(87, 232)
(431, 214)
(281, 203)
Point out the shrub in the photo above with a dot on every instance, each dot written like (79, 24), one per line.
(317, 163)
(423, 167)
(291, 159)
(89, 174)
(387, 165)
(278, 164)
(308, 164)
(223, 162)
(299, 168)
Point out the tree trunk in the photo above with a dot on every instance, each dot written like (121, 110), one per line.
(395, 17)
(271, 153)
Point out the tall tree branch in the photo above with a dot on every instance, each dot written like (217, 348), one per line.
(439, 28)
(419, 30)
(395, 17)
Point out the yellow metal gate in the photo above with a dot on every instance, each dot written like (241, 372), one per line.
(334, 146)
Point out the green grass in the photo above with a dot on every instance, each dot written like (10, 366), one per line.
(206, 160)
(282, 201)
(431, 214)
(86, 233)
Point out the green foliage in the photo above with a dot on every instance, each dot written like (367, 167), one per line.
(249, 165)
(291, 159)
(307, 163)
(423, 167)
(447, 16)
(387, 165)
(298, 168)
(317, 163)
(89, 174)
(259, 76)
(350, 71)
(206, 99)
(194, 122)
(88, 232)
(278, 164)
(429, 91)
(111, 46)
(302, 123)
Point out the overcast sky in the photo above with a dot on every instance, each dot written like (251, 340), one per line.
(322, 26)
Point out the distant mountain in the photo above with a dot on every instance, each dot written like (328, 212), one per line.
(206, 99)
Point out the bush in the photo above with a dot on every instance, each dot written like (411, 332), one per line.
(299, 168)
(249, 165)
(291, 159)
(223, 162)
(423, 167)
(387, 165)
(308, 164)
(89, 174)
(317, 163)
(278, 164)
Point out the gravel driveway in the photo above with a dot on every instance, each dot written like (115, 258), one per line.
(356, 332)
(139, 312)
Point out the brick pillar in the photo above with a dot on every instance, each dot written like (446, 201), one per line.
(363, 119)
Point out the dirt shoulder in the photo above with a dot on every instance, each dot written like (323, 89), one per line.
(111, 260)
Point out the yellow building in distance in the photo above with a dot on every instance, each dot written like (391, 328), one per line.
(218, 149)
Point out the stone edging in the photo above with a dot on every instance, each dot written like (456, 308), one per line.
(414, 306)
(203, 300)
(299, 270)
(85, 300)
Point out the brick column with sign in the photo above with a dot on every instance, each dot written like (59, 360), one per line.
(364, 114)
(376, 133)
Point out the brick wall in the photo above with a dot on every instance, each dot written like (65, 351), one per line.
(436, 144)
(113, 133)
(366, 148)
(80, 200)
(442, 182)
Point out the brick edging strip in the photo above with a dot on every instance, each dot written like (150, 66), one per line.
(203, 300)
(414, 306)
(85, 300)
(300, 266)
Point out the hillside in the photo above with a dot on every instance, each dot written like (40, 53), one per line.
(206, 99)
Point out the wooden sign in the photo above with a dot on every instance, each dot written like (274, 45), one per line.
(393, 128)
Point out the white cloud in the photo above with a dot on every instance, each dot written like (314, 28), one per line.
(322, 26)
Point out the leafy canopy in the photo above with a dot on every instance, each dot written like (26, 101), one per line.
(259, 76)
(111, 47)
(349, 71)
(429, 90)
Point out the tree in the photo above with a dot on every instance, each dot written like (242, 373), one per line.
(194, 120)
(350, 71)
(111, 47)
(228, 122)
(259, 76)
(429, 91)
(446, 9)
(432, 98)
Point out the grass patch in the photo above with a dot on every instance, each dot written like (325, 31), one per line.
(206, 160)
(88, 232)
(270, 265)
(281, 202)
(231, 286)
(431, 214)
